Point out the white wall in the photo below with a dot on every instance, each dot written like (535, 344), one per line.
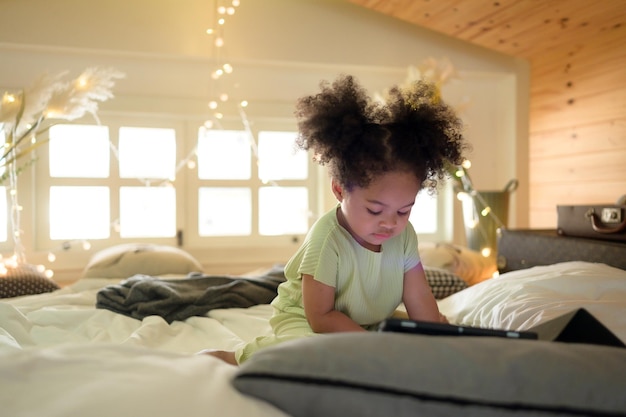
(280, 49)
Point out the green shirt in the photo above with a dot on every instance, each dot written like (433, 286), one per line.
(368, 285)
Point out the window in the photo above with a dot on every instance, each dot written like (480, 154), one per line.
(239, 174)
(152, 181)
(432, 215)
(168, 182)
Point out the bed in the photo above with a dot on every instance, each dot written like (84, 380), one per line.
(60, 355)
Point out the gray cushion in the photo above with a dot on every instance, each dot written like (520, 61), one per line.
(376, 374)
(443, 283)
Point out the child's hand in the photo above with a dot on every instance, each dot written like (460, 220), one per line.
(442, 318)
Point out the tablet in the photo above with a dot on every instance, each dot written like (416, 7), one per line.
(444, 329)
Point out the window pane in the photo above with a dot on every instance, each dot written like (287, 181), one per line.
(223, 154)
(147, 153)
(279, 159)
(224, 211)
(283, 210)
(79, 213)
(147, 212)
(79, 151)
(424, 213)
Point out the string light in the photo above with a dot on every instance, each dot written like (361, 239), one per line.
(222, 10)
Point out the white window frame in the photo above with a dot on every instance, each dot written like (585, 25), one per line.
(186, 184)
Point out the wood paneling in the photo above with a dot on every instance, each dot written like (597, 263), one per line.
(577, 53)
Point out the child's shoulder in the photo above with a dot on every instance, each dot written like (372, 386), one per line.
(325, 225)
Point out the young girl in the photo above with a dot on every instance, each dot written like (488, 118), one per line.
(360, 260)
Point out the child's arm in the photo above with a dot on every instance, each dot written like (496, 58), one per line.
(319, 307)
(418, 298)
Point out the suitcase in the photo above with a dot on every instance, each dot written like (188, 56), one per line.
(525, 248)
(605, 222)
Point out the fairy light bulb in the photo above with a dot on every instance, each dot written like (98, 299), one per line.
(51, 257)
(213, 104)
(210, 31)
(86, 245)
(49, 273)
(219, 115)
(230, 11)
(208, 124)
(82, 82)
(191, 164)
(467, 164)
(485, 211)
(224, 97)
(486, 252)
(228, 69)
(219, 42)
(244, 103)
(236, 3)
(221, 9)
(221, 21)
(463, 196)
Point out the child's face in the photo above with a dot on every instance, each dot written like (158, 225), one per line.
(380, 211)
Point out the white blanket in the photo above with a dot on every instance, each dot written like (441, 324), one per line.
(60, 356)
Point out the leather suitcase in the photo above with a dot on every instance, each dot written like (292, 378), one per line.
(605, 222)
(525, 248)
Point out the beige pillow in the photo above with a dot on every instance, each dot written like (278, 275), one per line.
(468, 264)
(126, 260)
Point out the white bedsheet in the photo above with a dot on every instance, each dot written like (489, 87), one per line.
(59, 356)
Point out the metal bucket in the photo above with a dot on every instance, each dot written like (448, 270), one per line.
(484, 212)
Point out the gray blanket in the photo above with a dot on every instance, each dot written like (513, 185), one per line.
(141, 296)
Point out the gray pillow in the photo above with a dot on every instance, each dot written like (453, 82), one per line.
(388, 374)
(443, 283)
(25, 280)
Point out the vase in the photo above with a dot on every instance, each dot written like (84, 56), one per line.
(484, 212)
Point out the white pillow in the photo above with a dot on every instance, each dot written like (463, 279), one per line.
(126, 260)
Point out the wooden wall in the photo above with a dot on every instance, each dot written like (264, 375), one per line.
(578, 125)
(577, 55)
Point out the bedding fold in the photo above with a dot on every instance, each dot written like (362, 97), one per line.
(141, 295)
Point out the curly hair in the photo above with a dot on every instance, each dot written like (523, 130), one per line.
(360, 140)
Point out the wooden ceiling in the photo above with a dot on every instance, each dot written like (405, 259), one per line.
(521, 28)
(577, 102)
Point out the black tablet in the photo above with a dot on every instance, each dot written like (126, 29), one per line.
(443, 329)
